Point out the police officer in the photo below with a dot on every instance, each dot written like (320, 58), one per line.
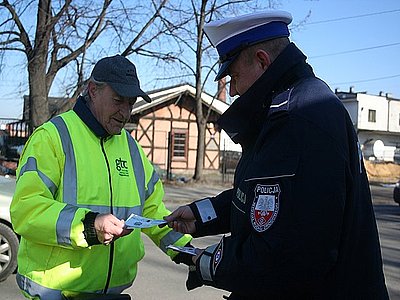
(300, 216)
(81, 175)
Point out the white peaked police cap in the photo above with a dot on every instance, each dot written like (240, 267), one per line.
(232, 35)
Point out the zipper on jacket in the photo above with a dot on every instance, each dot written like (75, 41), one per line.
(111, 258)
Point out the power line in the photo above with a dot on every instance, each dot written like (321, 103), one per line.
(367, 80)
(355, 50)
(353, 17)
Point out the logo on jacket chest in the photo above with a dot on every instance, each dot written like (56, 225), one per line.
(122, 167)
(265, 206)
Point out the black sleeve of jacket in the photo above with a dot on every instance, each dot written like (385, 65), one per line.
(221, 204)
(89, 230)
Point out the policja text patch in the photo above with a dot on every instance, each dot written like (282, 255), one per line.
(265, 206)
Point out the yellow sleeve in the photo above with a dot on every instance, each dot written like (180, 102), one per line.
(36, 207)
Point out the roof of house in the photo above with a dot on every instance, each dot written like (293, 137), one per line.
(163, 95)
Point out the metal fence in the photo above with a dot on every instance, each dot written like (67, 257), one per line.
(229, 161)
(13, 135)
(15, 127)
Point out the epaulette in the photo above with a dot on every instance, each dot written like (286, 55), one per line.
(280, 102)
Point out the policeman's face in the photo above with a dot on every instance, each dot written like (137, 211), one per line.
(111, 110)
(244, 71)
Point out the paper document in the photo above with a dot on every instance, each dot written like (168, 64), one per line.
(188, 250)
(135, 221)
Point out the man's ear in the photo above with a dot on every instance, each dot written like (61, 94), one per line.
(92, 89)
(263, 59)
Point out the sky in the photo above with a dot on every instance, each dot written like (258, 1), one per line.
(349, 43)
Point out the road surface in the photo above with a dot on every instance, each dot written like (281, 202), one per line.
(159, 278)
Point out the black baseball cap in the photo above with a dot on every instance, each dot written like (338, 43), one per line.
(118, 72)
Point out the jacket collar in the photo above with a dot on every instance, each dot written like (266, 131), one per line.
(84, 113)
(243, 119)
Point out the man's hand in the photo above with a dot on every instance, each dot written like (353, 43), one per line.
(199, 252)
(182, 220)
(109, 228)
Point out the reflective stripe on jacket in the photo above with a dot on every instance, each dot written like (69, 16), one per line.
(66, 171)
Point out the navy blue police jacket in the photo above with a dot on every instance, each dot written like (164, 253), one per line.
(299, 216)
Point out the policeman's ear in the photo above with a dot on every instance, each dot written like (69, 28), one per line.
(263, 59)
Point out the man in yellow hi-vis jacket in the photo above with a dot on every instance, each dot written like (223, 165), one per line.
(80, 175)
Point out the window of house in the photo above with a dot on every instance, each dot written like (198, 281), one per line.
(372, 115)
(179, 144)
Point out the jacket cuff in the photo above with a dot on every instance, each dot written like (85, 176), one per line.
(89, 230)
(207, 264)
(204, 213)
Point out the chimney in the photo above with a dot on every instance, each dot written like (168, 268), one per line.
(221, 94)
(351, 89)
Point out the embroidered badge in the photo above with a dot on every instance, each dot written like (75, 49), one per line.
(217, 256)
(265, 206)
(241, 196)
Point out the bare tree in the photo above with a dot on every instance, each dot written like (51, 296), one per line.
(190, 38)
(63, 34)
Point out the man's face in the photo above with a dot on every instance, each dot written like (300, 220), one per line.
(111, 110)
(244, 71)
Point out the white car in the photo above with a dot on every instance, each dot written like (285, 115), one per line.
(9, 241)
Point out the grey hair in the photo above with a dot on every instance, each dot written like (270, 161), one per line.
(99, 84)
(273, 47)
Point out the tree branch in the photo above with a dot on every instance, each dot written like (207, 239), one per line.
(56, 18)
(8, 42)
(93, 33)
(12, 49)
(128, 49)
(24, 38)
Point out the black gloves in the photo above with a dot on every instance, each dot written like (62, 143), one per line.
(193, 281)
(184, 258)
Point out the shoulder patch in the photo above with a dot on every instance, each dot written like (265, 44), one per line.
(265, 206)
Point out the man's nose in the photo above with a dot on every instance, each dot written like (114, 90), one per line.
(126, 109)
(232, 89)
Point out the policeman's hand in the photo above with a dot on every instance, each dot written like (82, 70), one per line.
(109, 228)
(182, 220)
(193, 281)
(199, 252)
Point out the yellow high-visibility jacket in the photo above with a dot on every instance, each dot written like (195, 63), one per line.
(66, 171)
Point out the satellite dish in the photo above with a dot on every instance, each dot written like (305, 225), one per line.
(378, 149)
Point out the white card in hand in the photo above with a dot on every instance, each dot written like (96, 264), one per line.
(135, 221)
(188, 250)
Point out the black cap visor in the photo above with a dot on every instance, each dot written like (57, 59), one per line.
(223, 69)
(125, 90)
